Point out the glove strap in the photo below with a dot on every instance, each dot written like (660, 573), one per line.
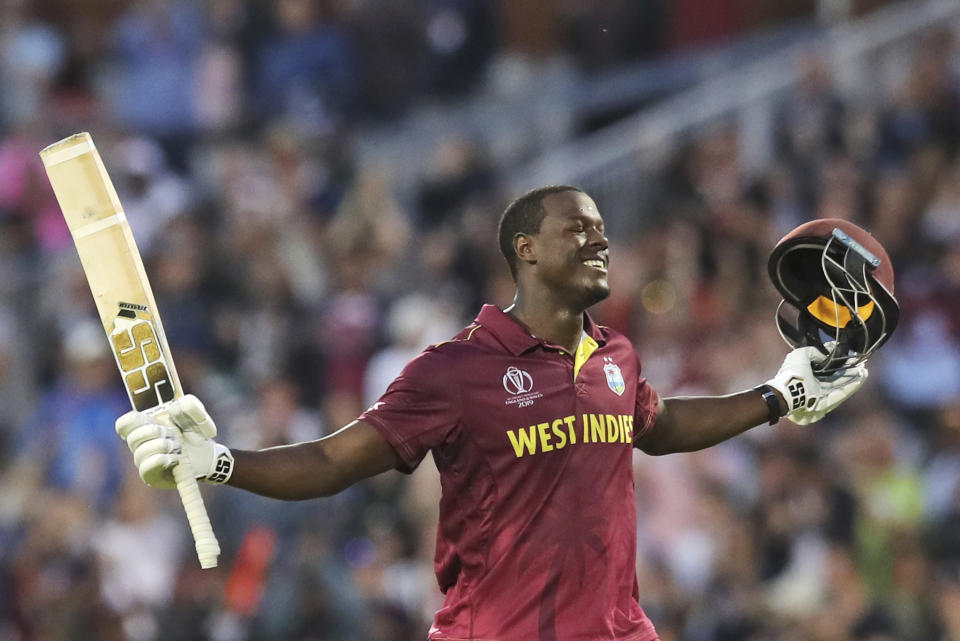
(222, 467)
(773, 403)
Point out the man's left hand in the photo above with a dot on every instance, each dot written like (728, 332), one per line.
(809, 398)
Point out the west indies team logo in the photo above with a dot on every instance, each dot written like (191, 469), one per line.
(614, 376)
(516, 381)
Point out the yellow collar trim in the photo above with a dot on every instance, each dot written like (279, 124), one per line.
(585, 349)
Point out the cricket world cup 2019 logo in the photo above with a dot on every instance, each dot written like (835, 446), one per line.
(519, 385)
(140, 358)
(516, 381)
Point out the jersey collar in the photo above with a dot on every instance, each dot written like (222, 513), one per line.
(513, 335)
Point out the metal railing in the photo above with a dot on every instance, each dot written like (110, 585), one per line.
(615, 164)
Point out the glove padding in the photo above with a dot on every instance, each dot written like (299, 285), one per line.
(158, 442)
(809, 397)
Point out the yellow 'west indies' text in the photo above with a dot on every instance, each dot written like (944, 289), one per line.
(561, 432)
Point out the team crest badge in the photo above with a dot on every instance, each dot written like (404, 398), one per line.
(614, 376)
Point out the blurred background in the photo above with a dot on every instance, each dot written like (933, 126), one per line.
(315, 186)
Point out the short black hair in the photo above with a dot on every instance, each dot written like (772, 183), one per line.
(524, 216)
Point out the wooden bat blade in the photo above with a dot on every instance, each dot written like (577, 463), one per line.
(80, 181)
(114, 270)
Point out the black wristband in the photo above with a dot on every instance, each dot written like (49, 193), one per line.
(773, 403)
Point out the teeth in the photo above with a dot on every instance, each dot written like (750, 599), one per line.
(594, 263)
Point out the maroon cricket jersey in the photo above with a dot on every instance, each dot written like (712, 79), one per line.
(537, 532)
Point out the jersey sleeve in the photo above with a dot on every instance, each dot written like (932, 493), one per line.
(419, 410)
(646, 409)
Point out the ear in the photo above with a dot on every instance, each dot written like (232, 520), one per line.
(523, 247)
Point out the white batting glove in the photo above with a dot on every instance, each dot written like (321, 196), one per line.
(158, 444)
(808, 397)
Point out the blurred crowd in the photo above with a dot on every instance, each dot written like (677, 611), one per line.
(295, 283)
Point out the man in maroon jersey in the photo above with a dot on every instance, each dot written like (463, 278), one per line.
(532, 414)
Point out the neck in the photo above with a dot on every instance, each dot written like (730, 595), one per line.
(549, 320)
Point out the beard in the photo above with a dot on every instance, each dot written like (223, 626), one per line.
(574, 287)
(593, 293)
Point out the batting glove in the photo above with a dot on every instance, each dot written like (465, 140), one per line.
(158, 442)
(810, 398)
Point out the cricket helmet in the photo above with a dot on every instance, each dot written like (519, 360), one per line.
(837, 286)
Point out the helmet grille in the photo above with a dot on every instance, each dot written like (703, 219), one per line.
(840, 307)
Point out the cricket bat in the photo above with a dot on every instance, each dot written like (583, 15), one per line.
(115, 272)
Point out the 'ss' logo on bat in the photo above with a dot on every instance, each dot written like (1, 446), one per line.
(140, 358)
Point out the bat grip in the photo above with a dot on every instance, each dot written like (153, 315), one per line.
(208, 549)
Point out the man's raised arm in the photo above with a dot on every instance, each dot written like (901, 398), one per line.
(687, 424)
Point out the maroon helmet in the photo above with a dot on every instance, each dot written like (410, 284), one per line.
(837, 286)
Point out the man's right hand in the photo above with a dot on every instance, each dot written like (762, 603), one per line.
(158, 443)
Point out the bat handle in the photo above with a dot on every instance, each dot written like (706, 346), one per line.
(208, 549)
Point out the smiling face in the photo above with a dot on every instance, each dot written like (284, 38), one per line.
(570, 254)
